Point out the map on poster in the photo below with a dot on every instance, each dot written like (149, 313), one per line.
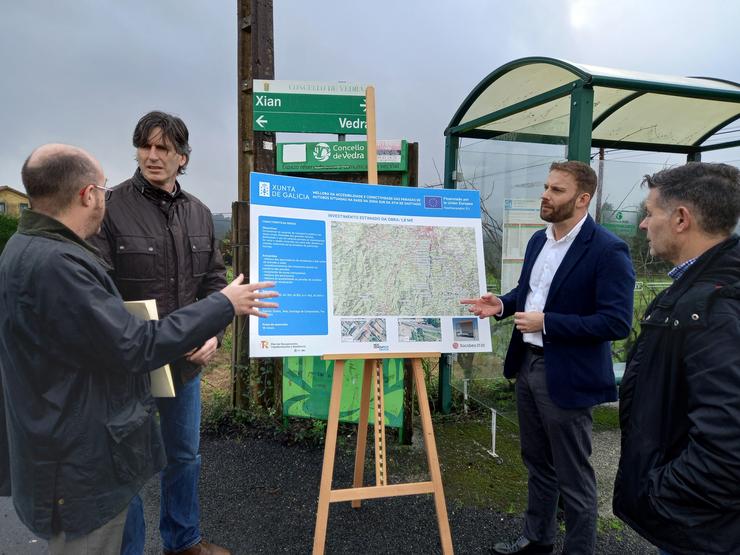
(365, 268)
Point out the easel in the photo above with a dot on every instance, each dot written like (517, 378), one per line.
(373, 372)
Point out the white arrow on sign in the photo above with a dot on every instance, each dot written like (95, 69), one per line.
(261, 121)
(363, 105)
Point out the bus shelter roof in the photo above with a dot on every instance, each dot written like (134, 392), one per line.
(531, 99)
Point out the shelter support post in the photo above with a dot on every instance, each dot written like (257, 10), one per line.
(452, 144)
(581, 121)
(444, 388)
(693, 156)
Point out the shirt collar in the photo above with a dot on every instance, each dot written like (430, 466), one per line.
(152, 192)
(568, 236)
(679, 270)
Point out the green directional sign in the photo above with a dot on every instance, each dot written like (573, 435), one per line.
(308, 107)
(341, 156)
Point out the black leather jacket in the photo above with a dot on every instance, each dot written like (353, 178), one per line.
(678, 482)
(81, 431)
(161, 247)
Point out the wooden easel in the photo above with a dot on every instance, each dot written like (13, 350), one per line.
(373, 372)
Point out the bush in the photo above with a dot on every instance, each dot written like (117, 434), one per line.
(8, 225)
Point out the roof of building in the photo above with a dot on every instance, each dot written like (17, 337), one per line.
(16, 191)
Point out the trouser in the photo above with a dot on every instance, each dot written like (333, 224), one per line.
(556, 446)
(105, 540)
(179, 508)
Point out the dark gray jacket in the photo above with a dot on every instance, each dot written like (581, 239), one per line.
(678, 482)
(80, 422)
(161, 247)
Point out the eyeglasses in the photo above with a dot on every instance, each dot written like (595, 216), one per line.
(102, 187)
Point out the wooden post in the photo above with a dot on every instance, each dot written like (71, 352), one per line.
(256, 152)
(372, 139)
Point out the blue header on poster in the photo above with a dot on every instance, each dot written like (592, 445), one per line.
(340, 196)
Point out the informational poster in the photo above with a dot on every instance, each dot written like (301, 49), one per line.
(521, 221)
(365, 268)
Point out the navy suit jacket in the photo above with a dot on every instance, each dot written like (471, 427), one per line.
(588, 306)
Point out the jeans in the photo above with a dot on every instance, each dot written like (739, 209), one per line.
(179, 508)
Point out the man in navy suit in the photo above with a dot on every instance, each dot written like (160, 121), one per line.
(574, 296)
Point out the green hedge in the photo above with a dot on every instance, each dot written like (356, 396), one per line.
(8, 225)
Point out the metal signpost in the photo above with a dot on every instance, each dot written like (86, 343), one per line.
(309, 107)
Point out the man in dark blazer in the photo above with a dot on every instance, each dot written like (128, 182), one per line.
(574, 297)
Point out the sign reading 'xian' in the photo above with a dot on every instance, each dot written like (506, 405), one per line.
(309, 107)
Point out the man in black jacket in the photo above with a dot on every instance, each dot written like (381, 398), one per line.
(161, 245)
(678, 482)
(81, 436)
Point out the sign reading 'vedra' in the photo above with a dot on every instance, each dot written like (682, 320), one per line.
(309, 107)
(341, 156)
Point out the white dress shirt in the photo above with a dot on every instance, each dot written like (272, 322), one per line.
(547, 263)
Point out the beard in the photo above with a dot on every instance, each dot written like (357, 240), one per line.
(560, 213)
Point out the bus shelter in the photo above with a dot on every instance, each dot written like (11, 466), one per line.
(578, 108)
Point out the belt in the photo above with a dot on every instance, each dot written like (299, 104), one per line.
(534, 349)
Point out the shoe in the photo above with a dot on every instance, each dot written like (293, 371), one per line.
(521, 545)
(202, 548)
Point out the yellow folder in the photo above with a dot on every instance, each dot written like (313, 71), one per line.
(161, 378)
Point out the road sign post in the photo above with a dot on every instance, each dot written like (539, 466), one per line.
(309, 107)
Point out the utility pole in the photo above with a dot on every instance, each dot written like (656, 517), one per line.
(253, 382)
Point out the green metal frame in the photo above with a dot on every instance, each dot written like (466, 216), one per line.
(522, 106)
(718, 146)
(580, 139)
(581, 121)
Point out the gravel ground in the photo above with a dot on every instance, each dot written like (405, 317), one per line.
(259, 496)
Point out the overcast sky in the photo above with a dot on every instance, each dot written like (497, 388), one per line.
(84, 71)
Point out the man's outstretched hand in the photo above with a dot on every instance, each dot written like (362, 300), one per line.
(246, 297)
(484, 307)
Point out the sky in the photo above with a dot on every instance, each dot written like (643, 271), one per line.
(84, 71)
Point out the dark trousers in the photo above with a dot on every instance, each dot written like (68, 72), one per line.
(556, 446)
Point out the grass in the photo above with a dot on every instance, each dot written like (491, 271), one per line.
(472, 476)
(606, 417)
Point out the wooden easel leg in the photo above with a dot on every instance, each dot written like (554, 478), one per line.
(430, 447)
(367, 375)
(327, 473)
(381, 466)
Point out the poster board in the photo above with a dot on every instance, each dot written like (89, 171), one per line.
(365, 268)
